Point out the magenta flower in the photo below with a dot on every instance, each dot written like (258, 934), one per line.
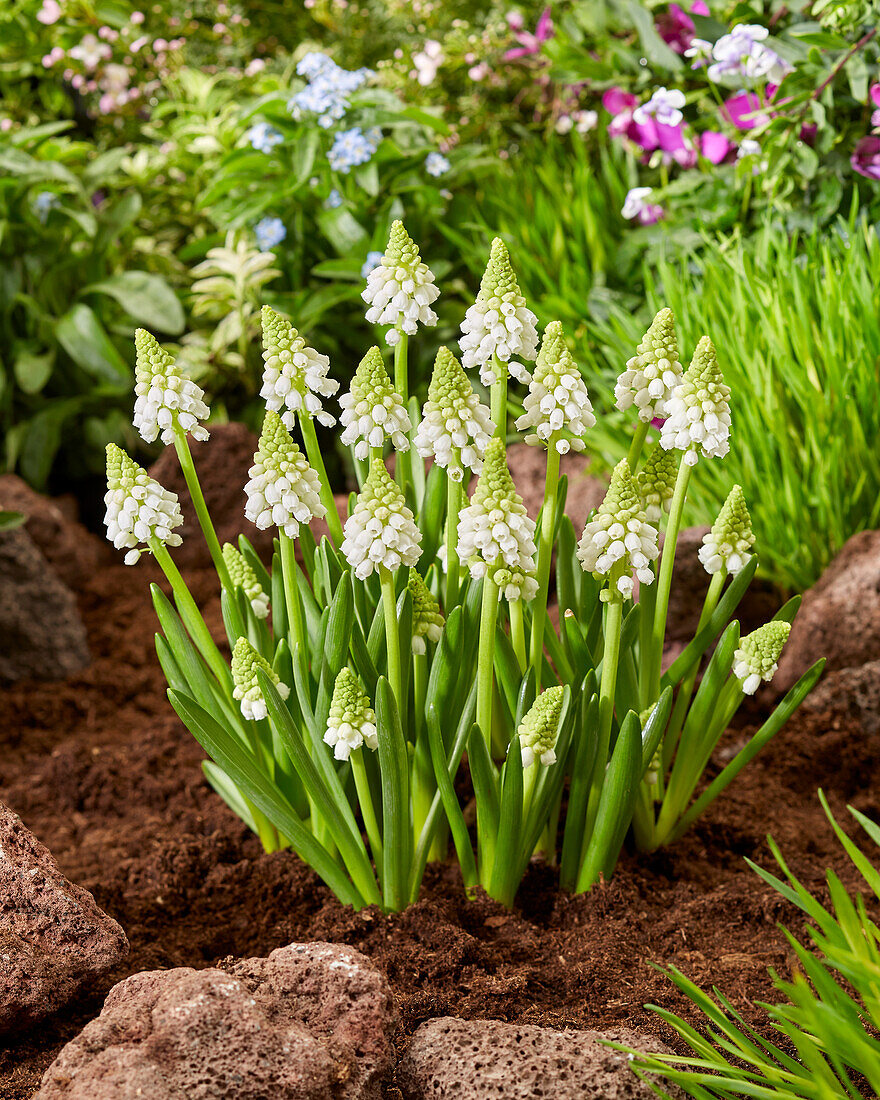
(530, 44)
(865, 158)
(716, 147)
(744, 111)
(676, 27)
(874, 93)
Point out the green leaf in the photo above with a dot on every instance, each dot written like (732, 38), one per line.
(33, 369)
(146, 298)
(394, 769)
(84, 339)
(10, 520)
(442, 769)
(342, 229)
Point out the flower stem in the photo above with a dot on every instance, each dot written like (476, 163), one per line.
(499, 397)
(403, 468)
(291, 597)
(392, 638)
(365, 800)
(453, 507)
(664, 581)
(545, 553)
(607, 691)
(486, 658)
(184, 455)
(518, 634)
(313, 452)
(635, 447)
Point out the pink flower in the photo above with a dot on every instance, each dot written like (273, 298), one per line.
(49, 13)
(137, 17)
(744, 111)
(616, 101)
(865, 158)
(530, 44)
(676, 27)
(515, 20)
(716, 147)
(874, 93)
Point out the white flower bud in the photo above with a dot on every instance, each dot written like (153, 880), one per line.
(372, 410)
(758, 654)
(245, 662)
(728, 544)
(557, 400)
(283, 490)
(351, 722)
(164, 399)
(381, 530)
(456, 427)
(295, 376)
(401, 288)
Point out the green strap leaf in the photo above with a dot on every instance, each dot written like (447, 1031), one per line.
(394, 768)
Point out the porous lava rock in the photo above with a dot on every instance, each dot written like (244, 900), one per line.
(450, 1059)
(222, 464)
(310, 1022)
(840, 616)
(43, 634)
(53, 936)
(851, 691)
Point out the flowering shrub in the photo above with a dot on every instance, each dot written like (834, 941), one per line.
(734, 110)
(419, 629)
(75, 283)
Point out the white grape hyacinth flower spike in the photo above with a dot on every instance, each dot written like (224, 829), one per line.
(496, 536)
(381, 531)
(282, 489)
(295, 378)
(699, 410)
(619, 543)
(373, 410)
(246, 685)
(242, 575)
(137, 507)
(539, 729)
(557, 401)
(757, 658)
(653, 372)
(499, 323)
(456, 426)
(164, 399)
(351, 722)
(728, 545)
(401, 288)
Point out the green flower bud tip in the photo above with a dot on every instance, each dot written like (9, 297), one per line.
(498, 279)
(427, 620)
(539, 729)
(245, 663)
(758, 654)
(656, 482)
(351, 722)
(243, 576)
(728, 544)
(401, 251)
(372, 410)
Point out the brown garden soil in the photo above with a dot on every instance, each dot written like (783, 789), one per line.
(103, 773)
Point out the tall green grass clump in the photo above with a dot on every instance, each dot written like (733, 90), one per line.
(799, 320)
(829, 1018)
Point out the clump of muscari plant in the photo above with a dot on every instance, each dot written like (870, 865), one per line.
(366, 665)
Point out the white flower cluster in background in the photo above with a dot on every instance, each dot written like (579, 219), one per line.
(499, 324)
(372, 410)
(295, 375)
(557, 400)
(137, 507)
(381, 531)
(351, 722)
(456, 427)
(619, 543)
(401, 288)
(164, 399)
(758, 655)
(496, 537)
(282, 489)
(728, 544)
(539, 729)
(246, 686)
(698, 411)
(653, 372)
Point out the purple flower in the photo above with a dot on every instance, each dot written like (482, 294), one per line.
(865, 158)
(636, 206)
(676, 27)
(744, 111)
(874, 93)
(530, 44)
(664, 107)
(716, 147)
